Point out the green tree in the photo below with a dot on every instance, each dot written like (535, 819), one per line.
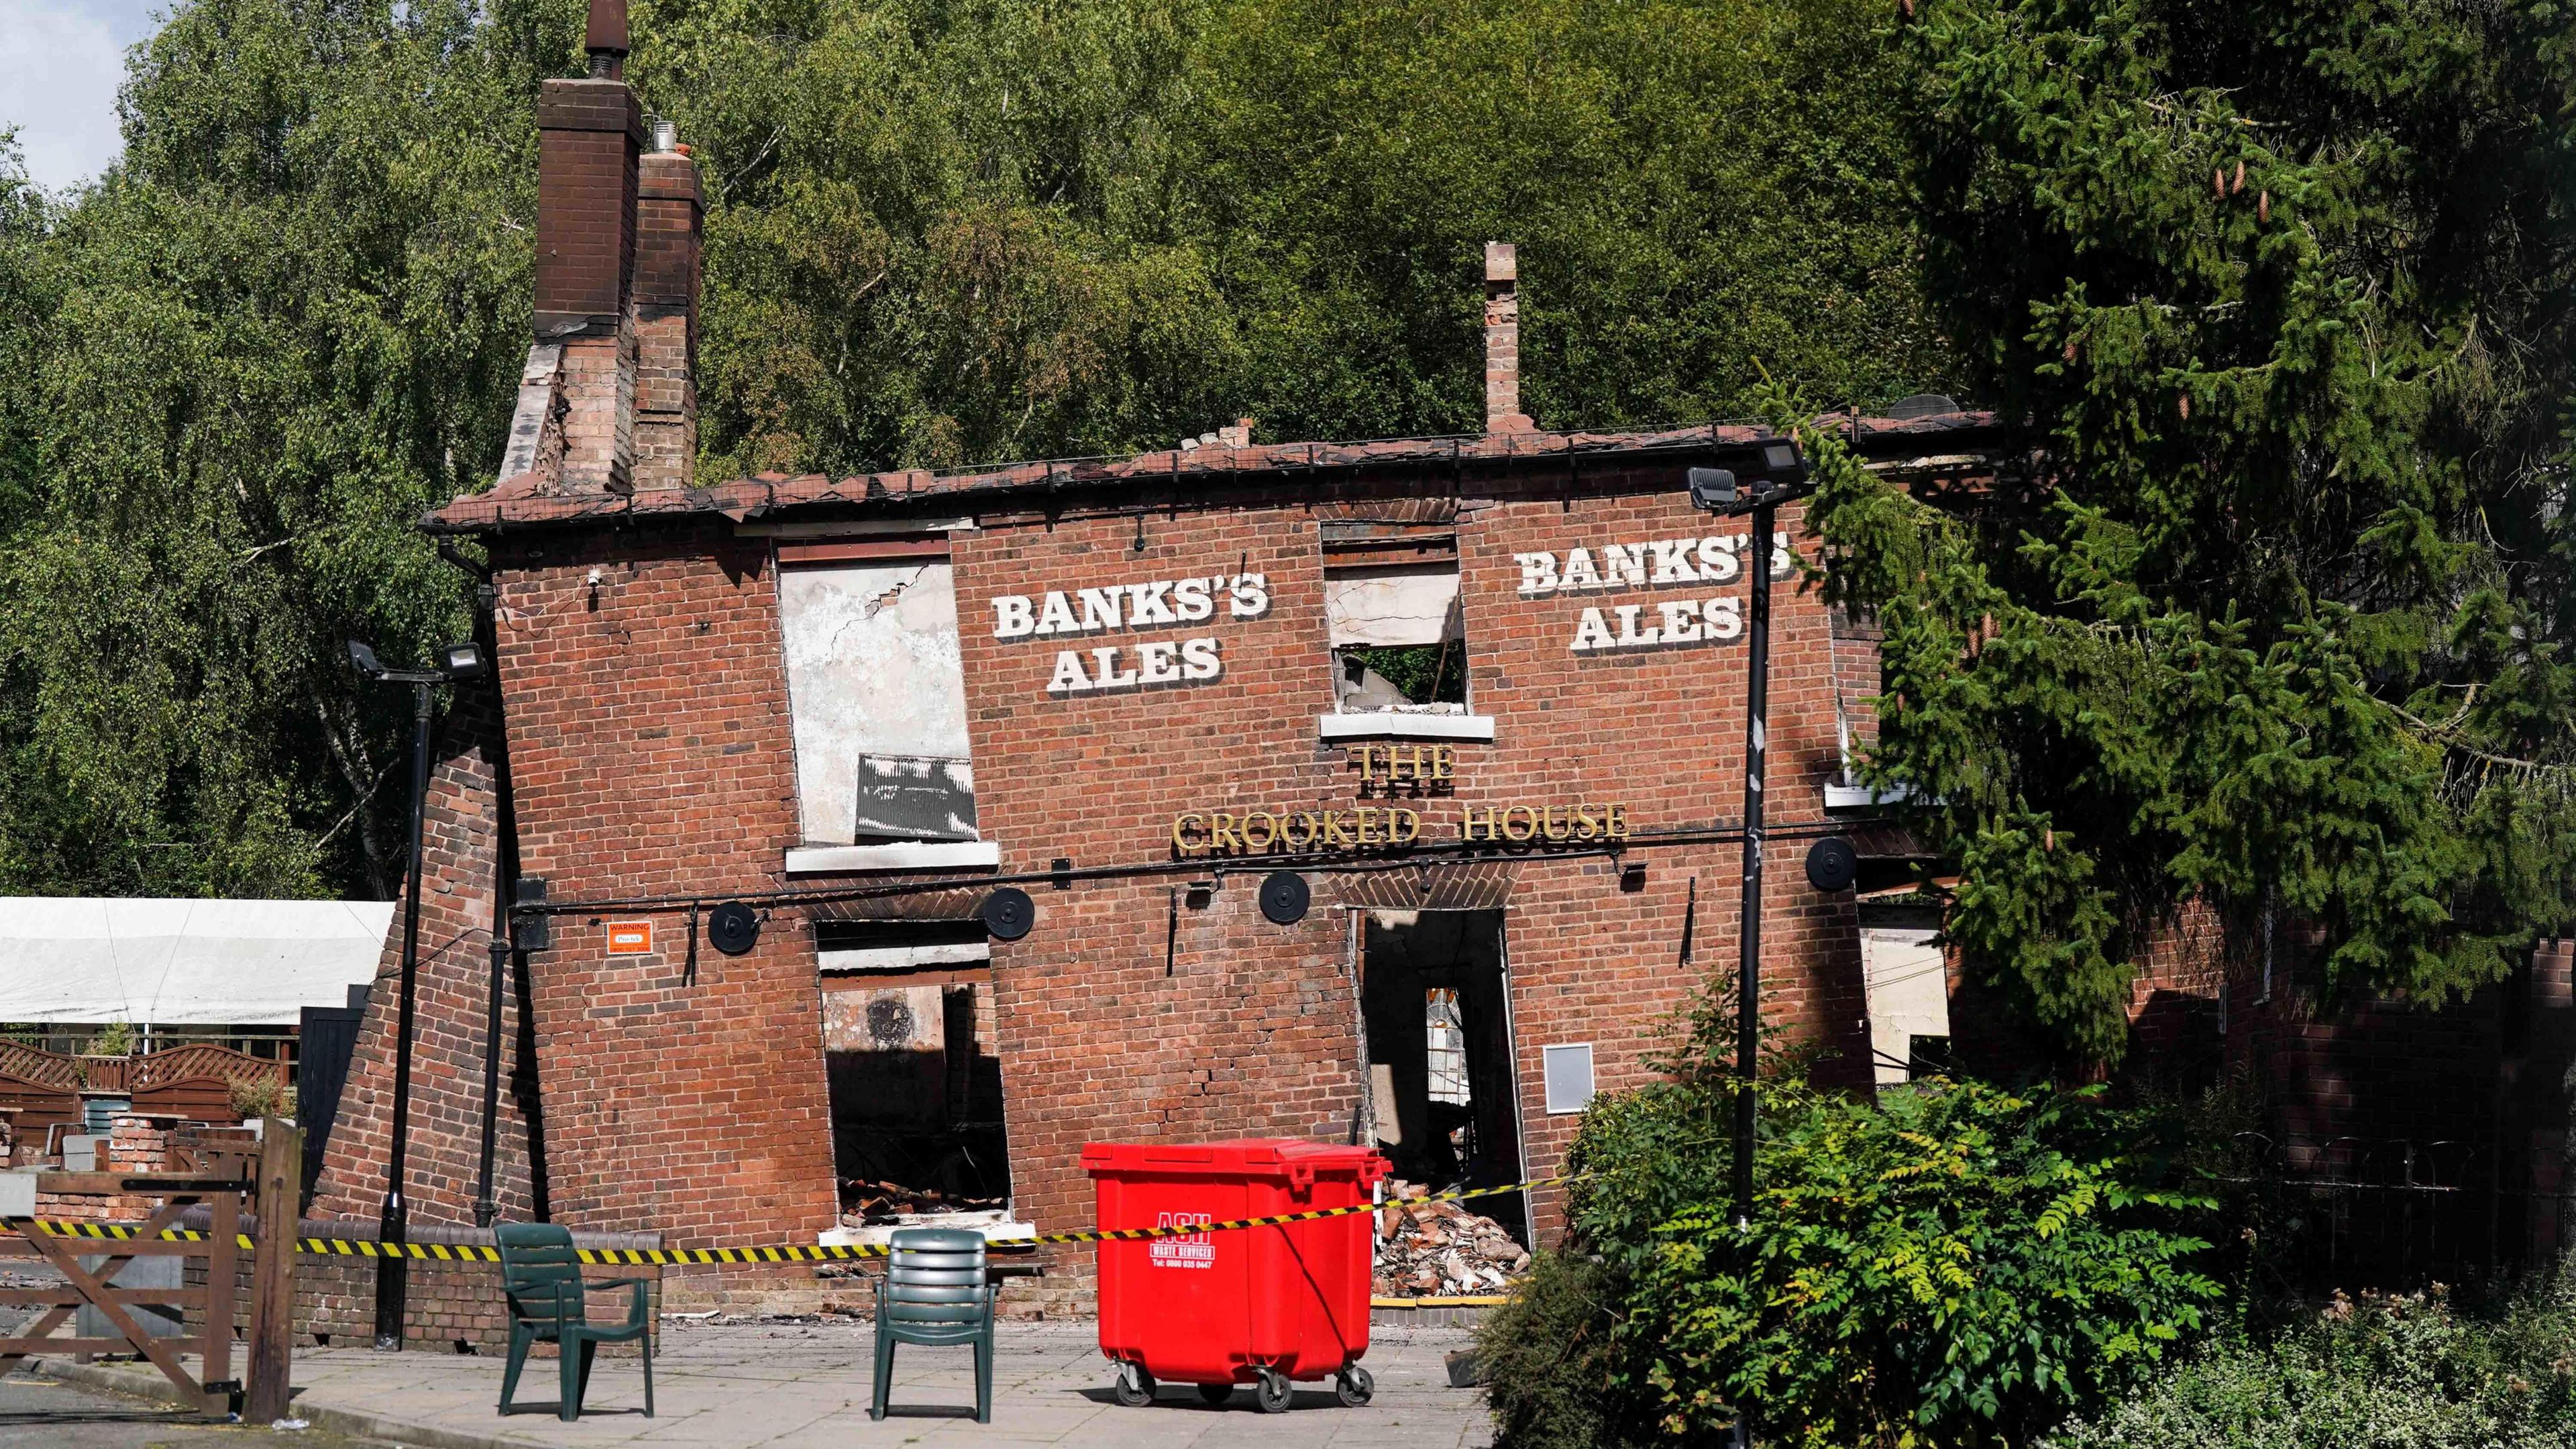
(2277, 297)
(288, 322)
(952, 232)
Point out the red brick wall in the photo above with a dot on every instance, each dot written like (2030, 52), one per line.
(1664, 732)
(650, 746)
(1255, 1031)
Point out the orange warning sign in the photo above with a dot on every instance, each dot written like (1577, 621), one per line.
(630, 938)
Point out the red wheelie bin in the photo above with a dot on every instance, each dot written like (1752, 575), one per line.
(1267, 1306)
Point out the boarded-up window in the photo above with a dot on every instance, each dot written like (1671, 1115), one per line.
(879, 700)
(1909, 1001)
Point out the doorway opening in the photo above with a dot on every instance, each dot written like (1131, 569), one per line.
(1437, 1016)
(915, 1085)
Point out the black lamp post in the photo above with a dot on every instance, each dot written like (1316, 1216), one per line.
(393, 1275)
(1774, 474)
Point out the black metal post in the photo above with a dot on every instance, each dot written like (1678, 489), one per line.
(393, 1274)
(1748, 983)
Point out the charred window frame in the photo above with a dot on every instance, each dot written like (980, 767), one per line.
(1391, 603)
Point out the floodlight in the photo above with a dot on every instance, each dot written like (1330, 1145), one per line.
(1712, 489)
(461, 661)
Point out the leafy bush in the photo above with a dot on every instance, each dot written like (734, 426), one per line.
(1552, 1375)
(2408, 1371)
(1956, 1265)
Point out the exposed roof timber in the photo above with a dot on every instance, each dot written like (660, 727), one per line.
(517, 502)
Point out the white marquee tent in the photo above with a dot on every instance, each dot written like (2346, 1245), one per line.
(87, 959)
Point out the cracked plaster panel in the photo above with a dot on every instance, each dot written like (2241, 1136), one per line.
(1409, 605)
(872, 671)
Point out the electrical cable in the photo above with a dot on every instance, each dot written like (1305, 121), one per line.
(1463, 852)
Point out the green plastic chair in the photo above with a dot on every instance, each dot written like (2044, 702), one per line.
(934, 1292)
(541, 1281)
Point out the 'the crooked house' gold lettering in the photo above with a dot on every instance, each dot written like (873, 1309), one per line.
(1371, 827)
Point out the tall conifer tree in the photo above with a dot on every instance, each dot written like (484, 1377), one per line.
(2272, 622)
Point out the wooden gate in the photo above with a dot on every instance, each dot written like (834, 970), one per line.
(229, 1175)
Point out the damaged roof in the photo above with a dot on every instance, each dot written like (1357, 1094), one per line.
(527, 500)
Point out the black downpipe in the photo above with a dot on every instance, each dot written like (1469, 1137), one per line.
(505, 874)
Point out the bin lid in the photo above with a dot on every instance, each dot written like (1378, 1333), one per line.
(1239, 1154)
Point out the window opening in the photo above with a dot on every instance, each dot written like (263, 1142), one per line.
(1445, 1034)
(1391, 606)
(1908, 983)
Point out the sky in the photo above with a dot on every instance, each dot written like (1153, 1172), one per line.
(60, 64)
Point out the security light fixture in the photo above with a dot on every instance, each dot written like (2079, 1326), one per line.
(455, 662)
(1712, 489)
(1765, 474)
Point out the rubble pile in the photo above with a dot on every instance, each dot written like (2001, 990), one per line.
(1438, 1249)
(864, 1202)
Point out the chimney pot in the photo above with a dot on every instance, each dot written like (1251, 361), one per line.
(606, 35)
(606, 32)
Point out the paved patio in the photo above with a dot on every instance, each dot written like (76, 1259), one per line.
(734, 1386)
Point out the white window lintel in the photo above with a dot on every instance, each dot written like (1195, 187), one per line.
(898, 855)
(1394, 724)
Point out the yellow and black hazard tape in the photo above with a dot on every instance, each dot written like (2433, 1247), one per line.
(779, 1253)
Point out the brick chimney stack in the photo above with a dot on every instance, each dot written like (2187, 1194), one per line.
(1503, 340)
(669, 222)
(590, 133)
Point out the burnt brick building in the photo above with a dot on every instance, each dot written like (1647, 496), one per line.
(1482, 696)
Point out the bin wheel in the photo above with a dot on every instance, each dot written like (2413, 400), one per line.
(1134, 1386)
(1216, 1393)
(1272, 1392)
(1356, 1385)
